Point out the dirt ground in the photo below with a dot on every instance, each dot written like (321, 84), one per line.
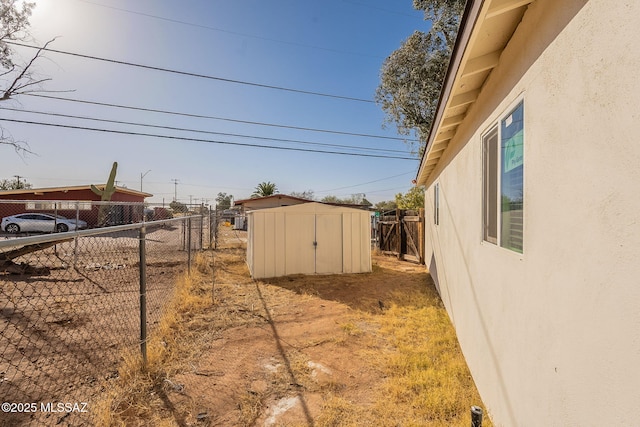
(304, 347)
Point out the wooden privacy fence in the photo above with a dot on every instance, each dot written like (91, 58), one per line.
(401, 233)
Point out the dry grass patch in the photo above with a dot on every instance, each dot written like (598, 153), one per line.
(372, 349)
(424, 378)
(428, 383)
(136, 396)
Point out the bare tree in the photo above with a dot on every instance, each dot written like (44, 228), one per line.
(23, 78)
(14, 184)
(16, 78)
(307, 194)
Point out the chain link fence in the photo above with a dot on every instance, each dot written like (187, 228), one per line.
(73, 299)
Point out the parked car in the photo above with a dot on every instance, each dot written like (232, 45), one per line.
(40, 222)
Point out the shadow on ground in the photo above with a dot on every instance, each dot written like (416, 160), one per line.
(391, 282)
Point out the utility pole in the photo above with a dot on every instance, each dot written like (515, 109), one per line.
(142, 175)
(175, 182)
(17, 177)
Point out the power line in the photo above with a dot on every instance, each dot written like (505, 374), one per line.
(386, 189)
(368, 193)
(200, 116)
(190, 74)
(365, 183)
(235, 33)
(176, 138)
(121, 122)
(377, 8)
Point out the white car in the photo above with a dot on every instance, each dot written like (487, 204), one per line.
(40, 222)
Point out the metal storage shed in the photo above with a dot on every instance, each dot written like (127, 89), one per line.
(311, 238)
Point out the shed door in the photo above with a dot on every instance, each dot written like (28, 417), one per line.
(300, 251)
(313, 244)
(329, 243)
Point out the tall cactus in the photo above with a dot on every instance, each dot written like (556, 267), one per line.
(105, 194)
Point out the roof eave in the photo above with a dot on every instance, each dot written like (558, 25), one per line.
(486, 29)
(467, 23)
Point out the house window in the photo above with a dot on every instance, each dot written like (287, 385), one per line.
(503, 181)
(436, 204)
(40, 206)
(61, 206)
(490, 185)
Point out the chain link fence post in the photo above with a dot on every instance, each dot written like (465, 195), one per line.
(75, 239)
(143, 296)
(189, 246)
(215, 229)
(212, 228)
(201, 227)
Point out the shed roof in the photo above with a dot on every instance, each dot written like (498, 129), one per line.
(42, 191)
(298, 200)
(485, 30)
(311, 207)
(272, 197)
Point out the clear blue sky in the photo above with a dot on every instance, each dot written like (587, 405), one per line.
(332, 47)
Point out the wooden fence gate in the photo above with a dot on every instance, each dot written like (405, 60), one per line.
(401, 233)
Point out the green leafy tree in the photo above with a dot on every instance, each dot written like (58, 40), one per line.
(354, 199)
(178, 207)
(387, 205)
(14, 184)
(330, 199)
(223, 201)
(412, 199)
(444, 16)
(411, 77)
(265, 189)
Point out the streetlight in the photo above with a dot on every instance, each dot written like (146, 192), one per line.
(142, 175)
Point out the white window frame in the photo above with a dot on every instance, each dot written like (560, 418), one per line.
(436, 203)
(490, 172)
(495, 129)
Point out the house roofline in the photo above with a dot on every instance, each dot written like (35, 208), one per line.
(73, 188)
(467, 23)
(486, 28)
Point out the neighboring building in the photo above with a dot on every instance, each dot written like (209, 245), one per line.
(532, 175)
(126, 203)
(278, 200)
(273, 201)
(244, 206)
(309, 238)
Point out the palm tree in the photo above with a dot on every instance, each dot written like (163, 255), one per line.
(265, 189)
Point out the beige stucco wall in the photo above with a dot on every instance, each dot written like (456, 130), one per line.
(552, 336)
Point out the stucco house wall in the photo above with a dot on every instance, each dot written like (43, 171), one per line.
(552, 334)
